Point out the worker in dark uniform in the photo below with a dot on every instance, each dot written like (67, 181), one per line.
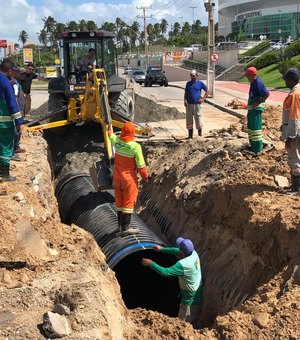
(26, 86)
(10, 116)
(258, 94)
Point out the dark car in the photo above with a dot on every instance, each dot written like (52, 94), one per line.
(138, 76)
(156, 76)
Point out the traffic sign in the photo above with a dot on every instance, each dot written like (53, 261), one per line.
(3, 43)
(214, 57)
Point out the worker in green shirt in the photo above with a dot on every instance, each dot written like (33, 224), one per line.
(188, 271)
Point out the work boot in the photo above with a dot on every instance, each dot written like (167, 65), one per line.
(200, 132)
(190, 133)
(16, 158)
(5, 174)
(20, 150)
(294, 188)
(119, 213)
(125, 225)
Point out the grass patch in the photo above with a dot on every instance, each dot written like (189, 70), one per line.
(271, 77)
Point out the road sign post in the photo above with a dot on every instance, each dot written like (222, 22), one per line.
(209, 7)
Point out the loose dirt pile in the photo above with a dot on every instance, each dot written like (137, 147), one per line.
(245, 231)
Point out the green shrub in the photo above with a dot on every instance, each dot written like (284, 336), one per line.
(283, 66)
(261, 47)
(266, 59)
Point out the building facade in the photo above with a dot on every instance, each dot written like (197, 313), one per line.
(275, 19)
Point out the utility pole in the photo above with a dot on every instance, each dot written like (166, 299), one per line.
(145, 26)
(193, 8)
(209, 7)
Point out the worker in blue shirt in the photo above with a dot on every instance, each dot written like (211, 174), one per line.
(10, 116)
(192, 101)
(258, 94)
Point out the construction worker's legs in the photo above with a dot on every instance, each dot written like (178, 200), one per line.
(27, 103)
(189, 120)
(254, 125)
(125, 199)
(294, 163)
(190, 314)
(6, 152)
(198, 118)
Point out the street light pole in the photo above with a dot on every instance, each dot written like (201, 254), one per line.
(193, 8)
(209, 7)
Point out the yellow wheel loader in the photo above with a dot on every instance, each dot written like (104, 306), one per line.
(97, 94)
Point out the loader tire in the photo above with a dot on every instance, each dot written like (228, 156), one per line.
(123, 103)
(56, 101)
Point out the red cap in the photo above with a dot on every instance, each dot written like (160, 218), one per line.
(127, 133)
(251, 71)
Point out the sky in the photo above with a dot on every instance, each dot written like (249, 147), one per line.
(27, 15)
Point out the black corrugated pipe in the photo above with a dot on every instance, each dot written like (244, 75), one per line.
(95, 212)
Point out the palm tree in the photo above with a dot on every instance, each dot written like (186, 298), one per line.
(157, 30)
(42, 36)
(109, 26)
(72, 26)
(186, 28)
(176, 28)
(163, 26)
(91, 25)
(23, 37)
(49, 24)
(82, 26)
(151, 33)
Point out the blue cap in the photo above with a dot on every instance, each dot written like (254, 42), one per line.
(185, 245)
(15, 68)
(292, 73)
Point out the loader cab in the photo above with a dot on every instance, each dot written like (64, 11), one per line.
(73, 46)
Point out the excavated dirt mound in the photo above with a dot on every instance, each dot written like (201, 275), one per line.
(245, 230)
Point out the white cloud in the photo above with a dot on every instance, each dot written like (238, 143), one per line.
(20, 15)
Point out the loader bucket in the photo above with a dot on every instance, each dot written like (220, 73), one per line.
(101, 175)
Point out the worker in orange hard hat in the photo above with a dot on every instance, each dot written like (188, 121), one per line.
(129, 161)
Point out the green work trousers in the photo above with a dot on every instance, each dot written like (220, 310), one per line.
(7, 136)
(255, 129)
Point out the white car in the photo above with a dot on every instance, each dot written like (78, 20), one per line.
(277, 46)
(138, 76)
(128, 70)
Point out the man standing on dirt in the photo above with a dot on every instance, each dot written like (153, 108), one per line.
(10, 116)
(26, 86)
(258, 94)
(188, 271)
(193, 101)
(129, 161)
(291, 127)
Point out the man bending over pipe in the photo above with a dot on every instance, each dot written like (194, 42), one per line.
(129, 161)
(188, 271)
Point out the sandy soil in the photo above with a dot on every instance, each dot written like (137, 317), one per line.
(245, 231)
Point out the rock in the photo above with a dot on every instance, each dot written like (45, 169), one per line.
(238, 156)
(14, 284)
(6, 279)
(281, 181)
(31, 212)
(3, 190)
(24, 278)
(53, 251)
(55, 325)
(19, 197)
(61, 309)
(261, 320)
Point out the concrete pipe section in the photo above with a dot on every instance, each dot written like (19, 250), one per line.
(95, 212)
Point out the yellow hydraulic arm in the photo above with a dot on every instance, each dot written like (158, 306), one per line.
(92, 105)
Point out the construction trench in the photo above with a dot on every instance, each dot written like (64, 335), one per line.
(203, 191)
